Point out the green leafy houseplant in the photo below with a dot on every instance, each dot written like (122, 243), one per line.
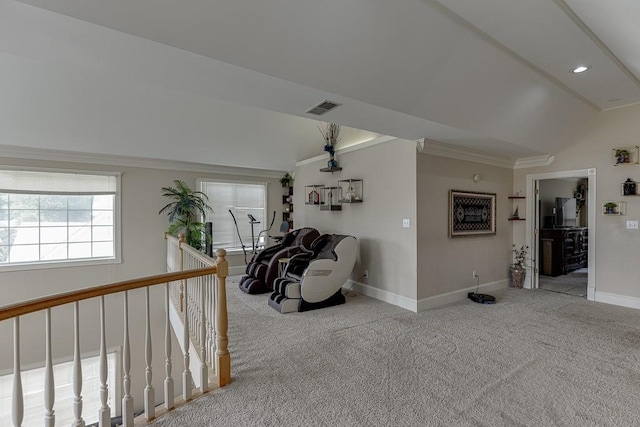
(286, 180)
(183, 211)
(519, 266)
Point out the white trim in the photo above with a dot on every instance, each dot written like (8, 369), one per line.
(130, 161)
(616, 299)
(459, 295)
(355, 147)
(532, 162)
(382, 295)
(463, 153)
(590, 173)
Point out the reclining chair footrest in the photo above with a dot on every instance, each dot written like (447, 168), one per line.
(283, 304)
(335, 299)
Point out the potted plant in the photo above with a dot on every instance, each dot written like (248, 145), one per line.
(610, 208)
(183, 211)
(622, 155)
(519, 266)
(286, 180)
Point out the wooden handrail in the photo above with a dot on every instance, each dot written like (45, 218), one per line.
(37, 304)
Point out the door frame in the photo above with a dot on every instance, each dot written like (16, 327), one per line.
(533, 213)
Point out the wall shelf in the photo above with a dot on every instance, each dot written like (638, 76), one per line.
(622, 156)
(329, 197)
(312, 194)
(332, 170)
(515, 216)
(351, 190)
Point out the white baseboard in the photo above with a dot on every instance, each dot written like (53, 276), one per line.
(453, 296)
(425, 303)
(615, 299)
(382, 295)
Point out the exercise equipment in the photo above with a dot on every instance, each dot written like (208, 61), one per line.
(262, 270)
(313, 279)
(252, 221)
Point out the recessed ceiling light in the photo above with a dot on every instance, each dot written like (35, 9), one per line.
(580, 69)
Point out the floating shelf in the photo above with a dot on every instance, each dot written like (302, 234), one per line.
(517, 197)
(332, 170)
(517, 219)
(622, 156)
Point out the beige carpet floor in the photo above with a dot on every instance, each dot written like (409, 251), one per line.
(535, 358)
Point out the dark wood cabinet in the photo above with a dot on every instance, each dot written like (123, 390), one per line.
(563, 250)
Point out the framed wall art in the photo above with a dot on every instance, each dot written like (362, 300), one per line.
(471, 213)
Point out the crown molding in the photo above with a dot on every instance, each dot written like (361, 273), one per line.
(535, 161)
(129, 161)
(462, 153)
(355, 147)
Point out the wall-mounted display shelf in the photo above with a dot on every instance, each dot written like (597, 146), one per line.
(332, 170)
(629, 188)
(312, 194)
(516, 214)
(330, 199)
(351, 190)
(613, 208)
(625, 155)
(287, 208)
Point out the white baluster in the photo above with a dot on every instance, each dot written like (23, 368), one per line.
(18, 398)
(186, 374)
(77, 369)
(204, 371)
(49, 387)
(168, 381)
(127, 400)
(149, 392)
(104, 413)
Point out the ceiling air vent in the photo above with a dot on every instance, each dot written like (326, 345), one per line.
(322, 108)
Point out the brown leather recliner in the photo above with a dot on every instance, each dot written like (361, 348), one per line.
(262, 270)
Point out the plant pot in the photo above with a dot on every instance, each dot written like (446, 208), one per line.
(517, 277)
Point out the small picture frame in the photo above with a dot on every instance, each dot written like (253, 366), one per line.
(471, 213)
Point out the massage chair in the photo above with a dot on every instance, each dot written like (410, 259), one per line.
(314, 278)
(262, 270)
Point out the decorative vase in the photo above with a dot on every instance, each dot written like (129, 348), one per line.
(517, 277)
(332, 163)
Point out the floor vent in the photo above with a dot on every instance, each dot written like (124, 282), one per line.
(322, 108)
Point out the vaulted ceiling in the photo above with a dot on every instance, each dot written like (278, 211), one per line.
(228, 82)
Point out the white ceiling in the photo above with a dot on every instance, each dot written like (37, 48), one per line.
(228, 82)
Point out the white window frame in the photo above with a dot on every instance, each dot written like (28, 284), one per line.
(238, 250)
(117, 227)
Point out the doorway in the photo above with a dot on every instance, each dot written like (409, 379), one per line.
(561, 232)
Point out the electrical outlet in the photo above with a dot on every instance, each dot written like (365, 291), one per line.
(632, 225)
(405, 223)
(474, 275)
(365, 274)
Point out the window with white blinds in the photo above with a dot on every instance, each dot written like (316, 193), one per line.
(240, 198)
(49, 217)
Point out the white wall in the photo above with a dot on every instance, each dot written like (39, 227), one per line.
(387, 250)
(143, 254)
(616, 247)
(445, 265)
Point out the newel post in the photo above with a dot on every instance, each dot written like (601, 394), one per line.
(181, 240)
(223, 360)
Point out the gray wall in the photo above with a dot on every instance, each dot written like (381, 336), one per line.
(387, 249)
(616, 247)
(446, 264)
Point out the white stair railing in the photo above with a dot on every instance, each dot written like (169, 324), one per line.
(209, 316)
